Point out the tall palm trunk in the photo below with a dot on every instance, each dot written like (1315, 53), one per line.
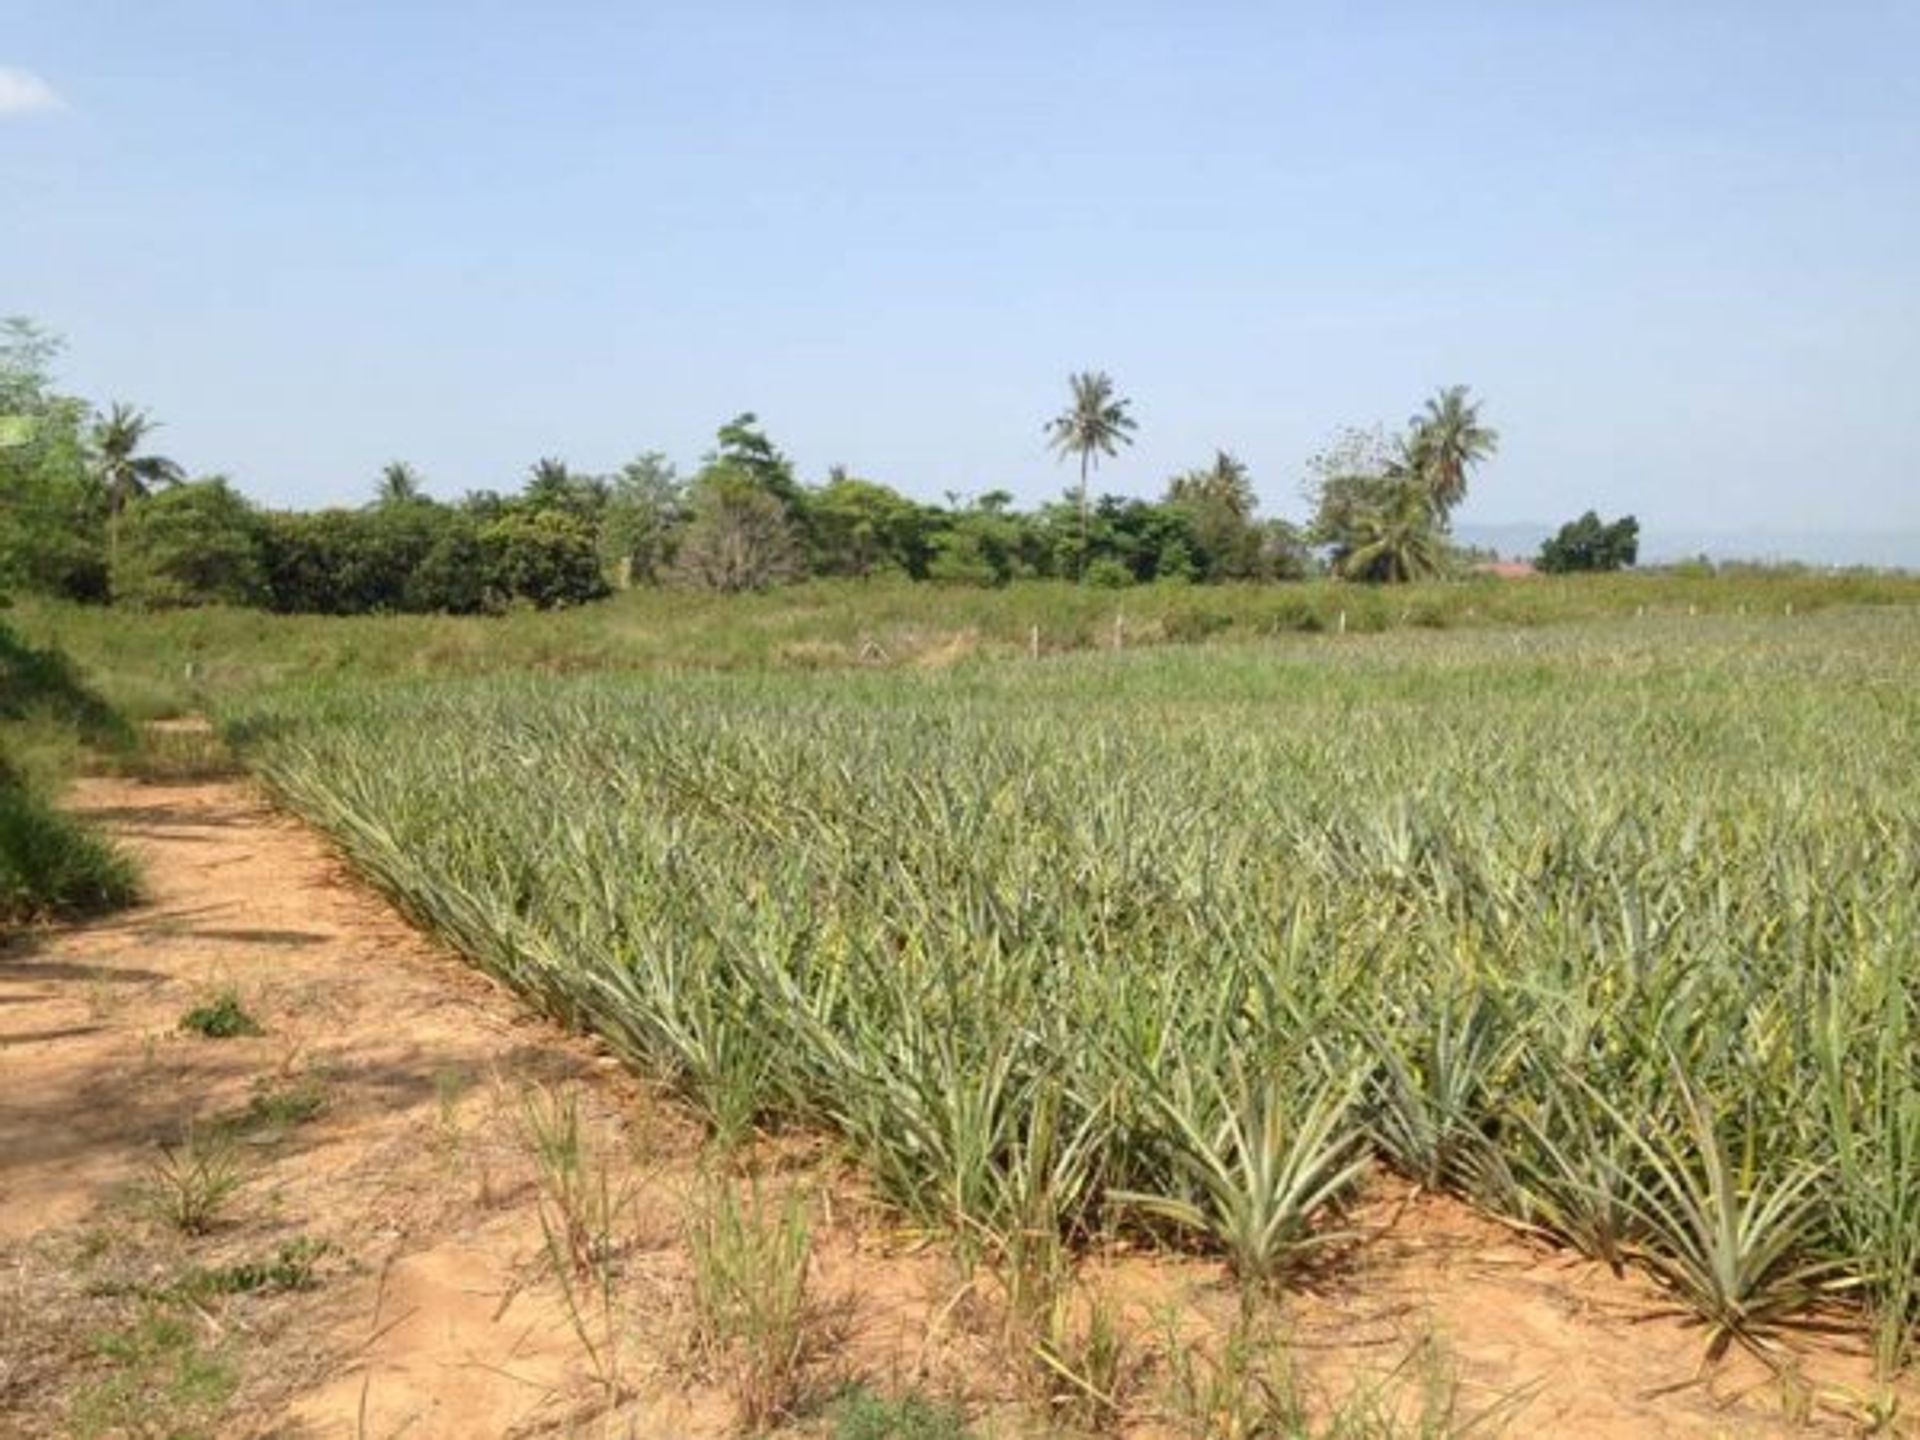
(1081, 568)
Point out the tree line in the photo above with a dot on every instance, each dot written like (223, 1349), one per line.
(92, 513)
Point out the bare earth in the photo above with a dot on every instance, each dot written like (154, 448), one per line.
(434, 1312)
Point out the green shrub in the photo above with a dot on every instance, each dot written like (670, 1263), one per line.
(198, 544)
(221, 1018)
(547, 558)
(51, 865)
(44, 683)
(860, 1414)
(353, 562)
(291, 1268)
(453, 577)
(1191, 626)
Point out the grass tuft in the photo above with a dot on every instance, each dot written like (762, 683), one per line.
(189, 1185)
(758, 1327)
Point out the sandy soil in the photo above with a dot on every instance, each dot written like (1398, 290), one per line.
(381, 1115)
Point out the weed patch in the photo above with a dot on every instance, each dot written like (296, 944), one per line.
(861, 1414)
(222, 1017)
(157, 1379)
(290, 1268)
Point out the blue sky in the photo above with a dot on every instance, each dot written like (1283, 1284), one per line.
(1675, 246)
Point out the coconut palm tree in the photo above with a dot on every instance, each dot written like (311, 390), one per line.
(1395, 539)
(1445, 441)
(553, 485)
(399, 484)
(1218, 503)
(1094, 424)
(125, 474)
(1223, 485)
(548, 476)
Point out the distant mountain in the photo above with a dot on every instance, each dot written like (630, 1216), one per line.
(1886, 549)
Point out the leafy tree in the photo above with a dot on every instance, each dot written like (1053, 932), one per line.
(127, 475)
(963, 555)
(52, 510)
(1283, 553)
(305, 555)
(1445, 441)
(1355, 475)
(984, 543)
(748, 519)
(1094, 424)
(545, 557)
(1143, 536)
(861, 528)
(1175, 562)
(645, 506)
(352, 562)
(27, 353)
(194, 544)
(739, 535)
(396, 540)
(1219, 502)
(1065, 538)
(744, 446)
(1590, 544)
(1135, 534)
(454, 576)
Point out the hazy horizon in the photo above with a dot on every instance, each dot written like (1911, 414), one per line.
(1675, 253)
(1874, 549)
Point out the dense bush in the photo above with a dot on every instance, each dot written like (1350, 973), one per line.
(418, 556)
(453, 578)
(52, 865)
(349, 562)
(197, 544)
(42, 684)
(546, 557)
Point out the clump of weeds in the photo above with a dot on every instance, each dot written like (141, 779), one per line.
(221, 1016)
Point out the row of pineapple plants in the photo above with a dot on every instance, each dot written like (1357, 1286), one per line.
(1621, 948)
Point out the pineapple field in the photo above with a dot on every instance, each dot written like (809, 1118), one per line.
(1610, 930)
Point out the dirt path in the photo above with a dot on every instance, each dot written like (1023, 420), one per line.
(377, 1126)
(408, 1168)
